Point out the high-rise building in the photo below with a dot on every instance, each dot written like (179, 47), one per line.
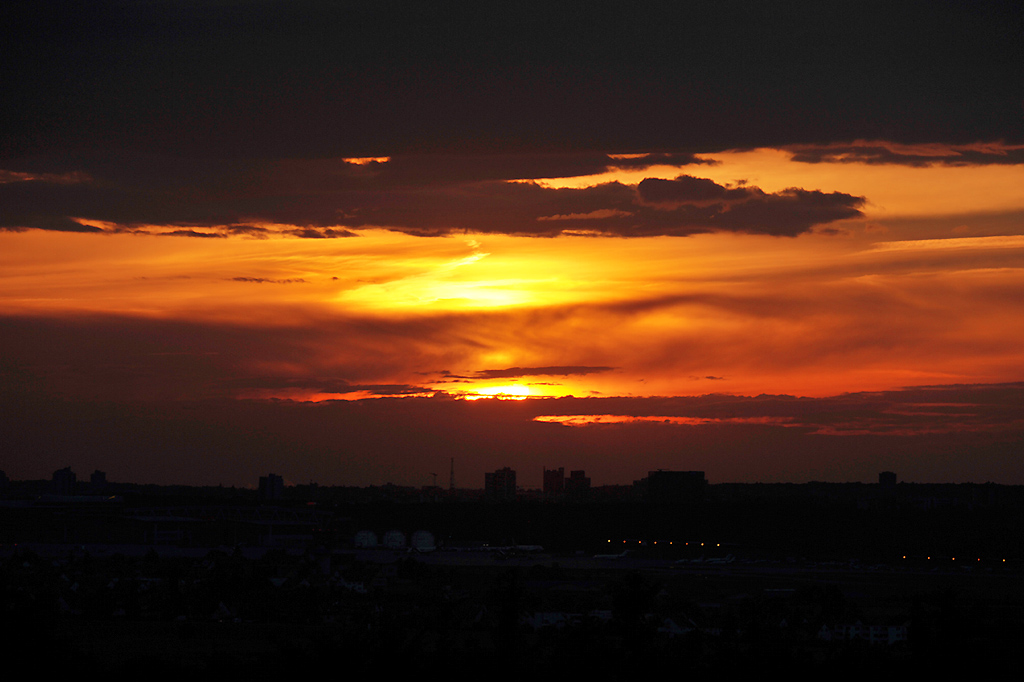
(554, 482)
(500, 485)
(98, 482)
(64, 481)
(577, 486)
(271, 487)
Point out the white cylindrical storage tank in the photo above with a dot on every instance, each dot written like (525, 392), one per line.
(394, 539)
(423, 541)
(366, 538)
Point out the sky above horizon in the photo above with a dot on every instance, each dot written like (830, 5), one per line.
(249, 202)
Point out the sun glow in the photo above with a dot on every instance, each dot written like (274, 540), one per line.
(509, 392)
(366, 160)
(870, 304)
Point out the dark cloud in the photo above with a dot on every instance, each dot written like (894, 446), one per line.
(641, 161)
(303, 387)
(193, 233)
(262, 280)
(227, 178)
(612, 209)
(789, 212)
(15, 223)
(423, 195)
(321, 233)
(918, 156)
(499, 207)
(688, 189)
(247, 230)
(748, 209)
(443, 168)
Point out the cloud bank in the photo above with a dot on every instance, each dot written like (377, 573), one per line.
(422, 195)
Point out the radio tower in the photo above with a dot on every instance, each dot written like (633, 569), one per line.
(451, 479)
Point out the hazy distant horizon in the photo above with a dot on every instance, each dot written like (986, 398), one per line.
(403, 440)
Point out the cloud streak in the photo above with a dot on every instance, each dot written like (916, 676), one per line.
(919, 156)
(519, 372)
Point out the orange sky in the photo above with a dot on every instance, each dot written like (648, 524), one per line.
(924, 288)
(292, 240)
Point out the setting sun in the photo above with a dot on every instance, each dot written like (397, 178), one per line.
(510, 392)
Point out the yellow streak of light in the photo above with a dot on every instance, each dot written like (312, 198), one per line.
(365, 160)
(997, 242)
(506, 392)
(444, 285)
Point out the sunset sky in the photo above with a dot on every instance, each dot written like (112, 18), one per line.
(241, 237)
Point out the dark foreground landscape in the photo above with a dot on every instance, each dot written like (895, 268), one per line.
(830, 578)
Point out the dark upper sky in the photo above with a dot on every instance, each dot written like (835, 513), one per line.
(322, 79)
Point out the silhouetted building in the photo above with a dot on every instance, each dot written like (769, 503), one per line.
(554, 482)
(669, 487)
(97, 482)
(64, 481)
(500, 485)
(577, 486)
(886, 485)
(271, 487)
